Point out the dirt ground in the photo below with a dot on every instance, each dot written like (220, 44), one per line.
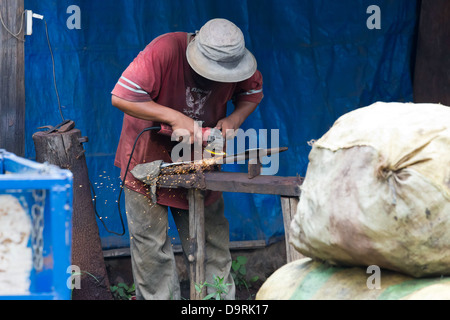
(261, 262)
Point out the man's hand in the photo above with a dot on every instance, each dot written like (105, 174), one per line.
(230, 124)
(184, 127)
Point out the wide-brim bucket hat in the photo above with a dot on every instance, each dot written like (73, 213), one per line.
(218, 53)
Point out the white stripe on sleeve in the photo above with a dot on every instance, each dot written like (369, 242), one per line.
(131, 82)
(250, 92)
(131, 89)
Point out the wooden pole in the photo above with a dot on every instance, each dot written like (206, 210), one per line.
(197, 249)
(12, 79)
(289, 208)
(65, 150)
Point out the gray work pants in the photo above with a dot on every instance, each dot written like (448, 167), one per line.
(153, 262)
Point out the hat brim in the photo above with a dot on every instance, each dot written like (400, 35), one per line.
(221, 71)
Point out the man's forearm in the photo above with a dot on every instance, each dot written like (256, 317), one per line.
(149, 110)
(242, 111)
(153, 111)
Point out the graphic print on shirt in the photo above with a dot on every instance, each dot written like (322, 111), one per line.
(195, 100)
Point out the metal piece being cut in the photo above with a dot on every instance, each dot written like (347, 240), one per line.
(248, 154)
(215, 142)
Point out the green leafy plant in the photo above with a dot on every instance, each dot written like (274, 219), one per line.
(239, 272)
(122, 291)
(220, 288)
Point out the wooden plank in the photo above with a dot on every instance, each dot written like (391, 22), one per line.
(289, 208)
(234, 182)
(197, 242)
(12, 79)
(239, 182)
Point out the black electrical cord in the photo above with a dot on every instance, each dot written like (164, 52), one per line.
(54, 73)
(122, 186)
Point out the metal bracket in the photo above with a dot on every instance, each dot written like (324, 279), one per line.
(62, 127)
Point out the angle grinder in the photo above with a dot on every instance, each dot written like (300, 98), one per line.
(212, 138)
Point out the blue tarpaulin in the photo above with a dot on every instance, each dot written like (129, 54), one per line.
(319, 60)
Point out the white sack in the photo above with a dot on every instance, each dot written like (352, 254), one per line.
(377, 191)
(15, 255)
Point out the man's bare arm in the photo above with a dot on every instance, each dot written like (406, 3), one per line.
(153, 111)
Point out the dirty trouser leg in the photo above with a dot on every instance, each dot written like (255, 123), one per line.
(217, 237)
(153, 262)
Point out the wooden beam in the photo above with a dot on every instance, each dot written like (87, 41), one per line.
(234, 182)
(12, 79)
(197, 254)
(239, 182)
(289, 208)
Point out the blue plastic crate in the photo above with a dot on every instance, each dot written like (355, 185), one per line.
(44, 186)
